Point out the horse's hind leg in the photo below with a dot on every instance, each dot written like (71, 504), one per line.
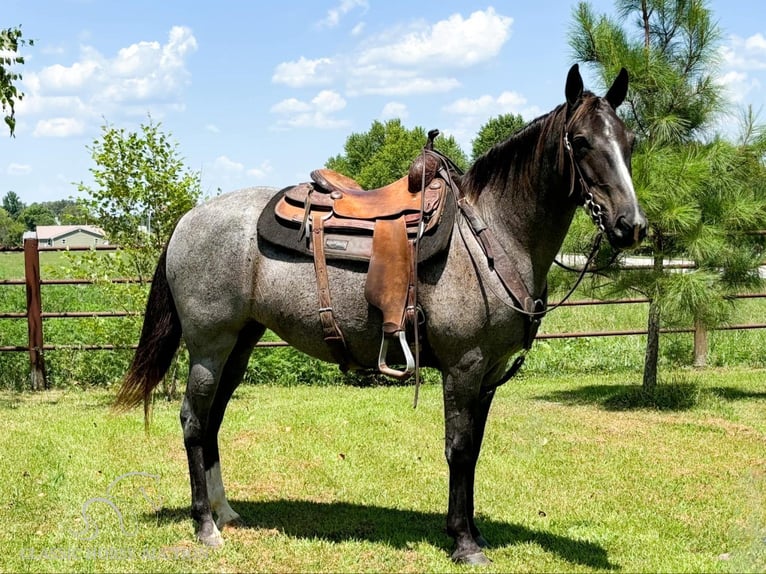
(233, 371)
(207, 356)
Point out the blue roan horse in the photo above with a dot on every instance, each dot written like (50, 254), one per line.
(219, 286)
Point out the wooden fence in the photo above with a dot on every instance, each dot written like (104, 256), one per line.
(34, 314)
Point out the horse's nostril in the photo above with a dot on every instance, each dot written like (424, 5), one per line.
(630, 231)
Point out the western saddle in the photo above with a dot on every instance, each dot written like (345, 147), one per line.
(337, 219)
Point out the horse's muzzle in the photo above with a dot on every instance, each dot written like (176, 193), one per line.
(628, 232)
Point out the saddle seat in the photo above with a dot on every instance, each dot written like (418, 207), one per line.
(350, 200)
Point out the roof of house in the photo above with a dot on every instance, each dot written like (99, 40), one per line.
(56, 231)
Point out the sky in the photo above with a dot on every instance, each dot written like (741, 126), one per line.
(258, 92)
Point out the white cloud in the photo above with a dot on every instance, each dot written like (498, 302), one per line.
(261, 171)
(744, 59)
(334, 14)
(328, 102)
(358, 29)
(144, 77)
(379, 65)
(454, 42)
(394, 110)
(212, 128)
(486, 105)
(318, 113)
(224, 164)
(228, 173)
(371, 80)
(745, 53)
(290, 106)
(59, 128)
(471, 113)
(18, 169)
(303, 72)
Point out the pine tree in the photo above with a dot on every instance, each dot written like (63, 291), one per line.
(700, 192)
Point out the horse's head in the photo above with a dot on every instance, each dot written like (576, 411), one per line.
(599, 146)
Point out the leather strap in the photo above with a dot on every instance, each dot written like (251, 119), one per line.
(498, 259)
(333, 336)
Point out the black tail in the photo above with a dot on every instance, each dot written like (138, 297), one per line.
(160, 338)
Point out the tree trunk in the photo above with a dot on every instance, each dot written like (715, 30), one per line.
(653, 328)
(647, 30)
(652, 346)
(700, 344)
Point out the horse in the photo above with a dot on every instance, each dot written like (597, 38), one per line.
(219, 286)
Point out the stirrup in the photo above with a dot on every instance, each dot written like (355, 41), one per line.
(385, 369)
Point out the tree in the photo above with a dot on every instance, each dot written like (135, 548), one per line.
(141, 189)
(385, 152)
(496, 130)
(12, 204)
(11, 231)
(74, 213)
(36, 214)
(10, 41)
(699, 195)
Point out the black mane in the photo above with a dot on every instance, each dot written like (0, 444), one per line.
(511, 162)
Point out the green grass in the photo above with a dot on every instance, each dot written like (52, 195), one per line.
(579, 473)
(12, 264)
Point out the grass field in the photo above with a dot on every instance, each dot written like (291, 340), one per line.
(576, 475)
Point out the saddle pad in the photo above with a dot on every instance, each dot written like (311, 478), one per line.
(350, 246)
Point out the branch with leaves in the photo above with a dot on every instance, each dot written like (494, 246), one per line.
(11, 40)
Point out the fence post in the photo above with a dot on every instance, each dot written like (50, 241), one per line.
(700, 344)
(34, 311)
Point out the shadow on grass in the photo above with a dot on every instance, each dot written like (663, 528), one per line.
(680, 393)
(730, 394)
(340, 521)
(664, 397)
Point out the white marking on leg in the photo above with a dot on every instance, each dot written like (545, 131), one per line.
(217, 496)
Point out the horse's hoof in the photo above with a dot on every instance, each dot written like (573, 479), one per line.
(473, 559)
(212, 539)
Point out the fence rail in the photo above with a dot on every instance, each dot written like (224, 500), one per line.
(34, 315)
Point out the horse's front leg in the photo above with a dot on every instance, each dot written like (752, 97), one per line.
(464, 426)
(479, 424)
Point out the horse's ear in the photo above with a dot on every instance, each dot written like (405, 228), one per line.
(574, 85)
(616, 94)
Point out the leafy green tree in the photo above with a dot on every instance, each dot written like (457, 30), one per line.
(11, 231)
(698, 193)
(12, 204)
(384, 153)
(142, 188)
(496, 130)
(74, 213)
(11, 40)
(36, 214)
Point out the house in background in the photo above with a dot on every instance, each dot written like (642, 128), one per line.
(70, 236)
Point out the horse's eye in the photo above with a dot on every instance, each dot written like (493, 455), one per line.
(580, 143)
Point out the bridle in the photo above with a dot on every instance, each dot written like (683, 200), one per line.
(589, 203)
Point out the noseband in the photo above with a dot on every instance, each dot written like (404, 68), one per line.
(589, 203)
